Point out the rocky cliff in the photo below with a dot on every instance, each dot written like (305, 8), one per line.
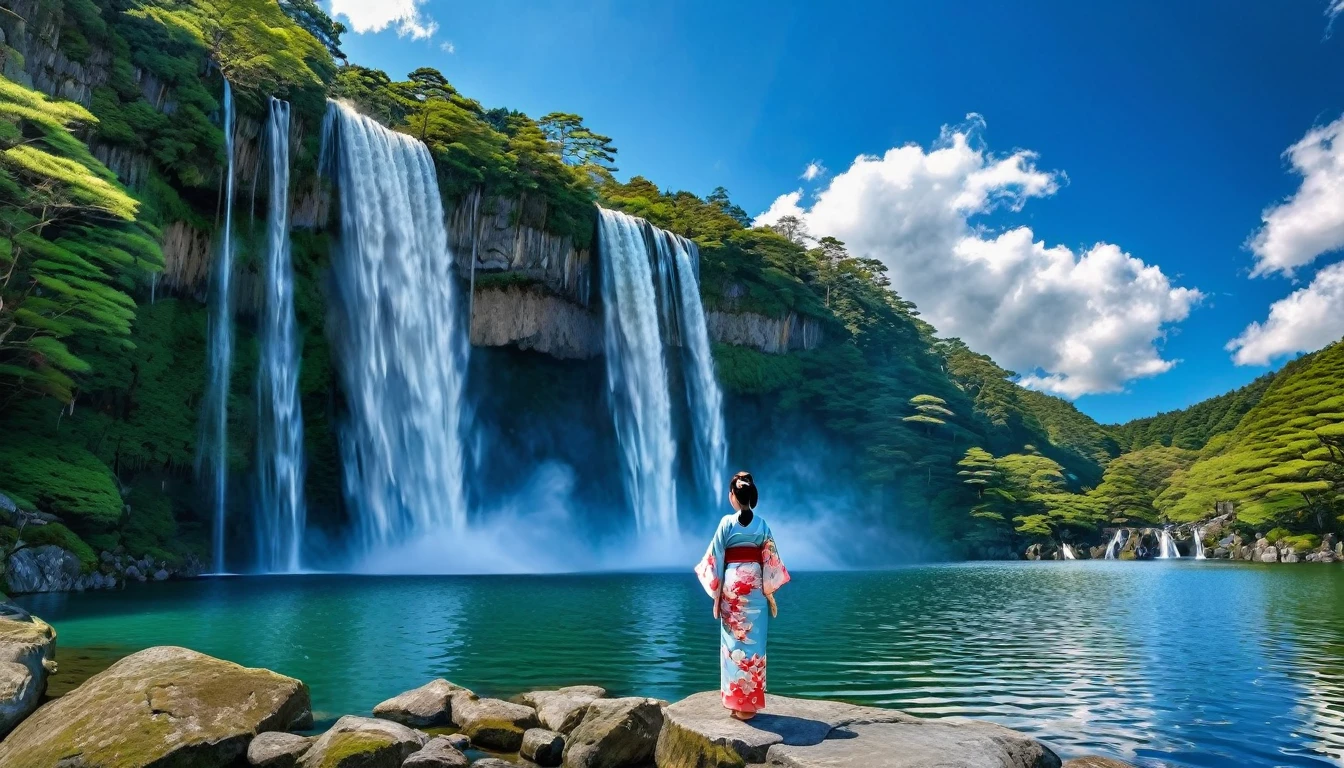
(775, 335)
(531, 318)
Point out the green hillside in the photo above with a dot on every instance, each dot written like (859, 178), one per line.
(1191, 428)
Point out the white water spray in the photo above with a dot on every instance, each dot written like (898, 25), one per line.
(1113, 549)
(280, 461)
(637, 374)
(1166, 548)
(401, 347)
(1198, 533)
(1067, 552)
(214, 443)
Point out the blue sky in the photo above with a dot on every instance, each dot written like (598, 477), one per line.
(1157, 127)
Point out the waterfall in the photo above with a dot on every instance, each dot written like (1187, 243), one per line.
(214, 443)
(637, 373)
(1198, 533)
(399, 341)
(710, 446)
(1113, 549)
(1167, 547)
(1067, 551)
(280, 517)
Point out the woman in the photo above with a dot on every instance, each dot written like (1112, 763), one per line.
(740, 567)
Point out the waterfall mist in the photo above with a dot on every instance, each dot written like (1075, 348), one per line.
(213, 448)
(400, 344)
(280, 515)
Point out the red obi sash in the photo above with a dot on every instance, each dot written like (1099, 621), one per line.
(742, 555)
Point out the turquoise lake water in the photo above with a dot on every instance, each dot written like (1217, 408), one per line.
(1181, 663)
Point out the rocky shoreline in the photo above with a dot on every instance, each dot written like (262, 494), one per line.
(170, 706)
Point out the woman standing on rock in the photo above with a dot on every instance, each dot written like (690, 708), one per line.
(740, 568)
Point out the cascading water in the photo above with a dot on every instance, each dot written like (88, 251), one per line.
(1198, 534)
(1113, 549)
(280, 516)
(214, 443)
(401, 347)
(710, 447)
(637, 373)
(1067, 552)
(1166, 548)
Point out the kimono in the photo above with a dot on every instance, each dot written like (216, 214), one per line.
(740, 588)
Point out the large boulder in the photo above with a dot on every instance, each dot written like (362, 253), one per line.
(561, 710)
(492, 723)
(438, 752)
(277, 749)
(1268, 554)
(430, 704)
(802, 733)
(363, 742)
(615, 733)
(163, 706)
(543, 747)
(27, 646)
(47, 568)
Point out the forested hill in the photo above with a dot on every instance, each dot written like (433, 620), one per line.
(111, 186)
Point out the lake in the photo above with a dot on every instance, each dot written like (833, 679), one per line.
(1189, 663)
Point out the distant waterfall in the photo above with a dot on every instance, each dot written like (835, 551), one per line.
(214, 444)
(401, 347)
(1166, 548)
(702, 388)
(637, 373)
(280, 518)
(1113, 549)
(1067, 552)
(1198, 534)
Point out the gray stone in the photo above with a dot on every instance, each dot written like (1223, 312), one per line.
(161, 706)
(493, 762)
(27, 645)
(277, 749)
(1288, 555)
(105, 557)
(492, 723)
(458, 741)
(615, 733)
(1269, 555)
(699, 733)
(161, 575)
(133, 572)
(363, 742)
(7, 505)
(47, 568)
(430, 704)
(1092, 761)
(543, 747)
(438, 752)
(917, 745)
(562, 710)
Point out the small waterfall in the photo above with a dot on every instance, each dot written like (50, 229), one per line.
(1198, 533)
(1067, 552)
(1166, 549)
(710, 447)
(213, 448)
(280, 518)
(637, 373)
(1113, 549)
(400, 344)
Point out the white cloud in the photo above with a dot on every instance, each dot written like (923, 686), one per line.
(1333, 9)
(1303, 321)
(1311, 222)
(447, 45)
(377, 15)
(1072, 322)
(815, 169)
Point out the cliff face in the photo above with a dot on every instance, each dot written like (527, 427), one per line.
(530, 318)
(773, 335)
(29, 53)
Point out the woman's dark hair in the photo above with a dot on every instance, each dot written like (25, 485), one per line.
(743, 489)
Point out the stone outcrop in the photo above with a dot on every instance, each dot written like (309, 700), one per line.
(276, 749)
(429, 705)
(530, 317)
(492, 723)
(27, 647)
(162, 706)
(615, 733)
(773, 335)
(363, 742)
(543, 747)
(802, 733)
(438, 752)
(47, 568)
(561, 710)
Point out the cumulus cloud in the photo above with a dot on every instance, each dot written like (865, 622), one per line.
(1305, 320)
(1310, 223)
(815, 169)
(376, 15)
(1072, 323)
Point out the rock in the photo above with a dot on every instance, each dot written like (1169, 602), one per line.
(562, 710)
(438, 752)
(492, 723)
(363, 742)
(161, 575)
(1095, 762)
(162, 706)
(7, 505)
(543, 747)
(277, 749)
(615, 733)
(771, 335)
(1268, 555)
(913, 745)
(47, 568)
(1219, 553)
(699, 734)
(530, 317)
(493, 762)
(458, 741)
(27, 645)
(430, 704)
(1247, 553)
(133, 572)
(1288, 555)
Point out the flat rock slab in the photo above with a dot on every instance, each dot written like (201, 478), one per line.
(161, 706)
(925, 744)
(276, 749)
(698, 732)
(430, 704)
(561, 710)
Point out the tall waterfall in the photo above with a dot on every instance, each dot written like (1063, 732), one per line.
(214, 444)
(637, 373)
(280, 517)
(401, 347)
(1113, 549)
(1166, 548)
(1198, 534)
(702, 388)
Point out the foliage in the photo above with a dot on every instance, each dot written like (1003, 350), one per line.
(55, 534)
(1192, 427)
(1133, 481)
(63, 479)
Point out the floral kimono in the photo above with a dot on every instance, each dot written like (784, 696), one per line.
(740, 567)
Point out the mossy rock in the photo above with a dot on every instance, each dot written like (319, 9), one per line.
(363, 742)
(165, 707)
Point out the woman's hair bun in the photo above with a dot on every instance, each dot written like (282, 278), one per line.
(743, 488)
